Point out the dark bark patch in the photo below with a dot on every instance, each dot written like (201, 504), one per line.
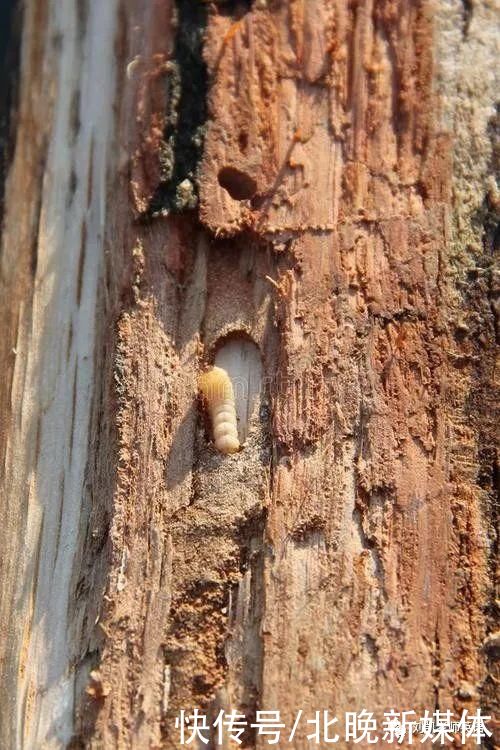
(10, 44)
(184, 131)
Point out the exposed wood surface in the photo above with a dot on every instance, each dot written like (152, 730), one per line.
(345, 558)
(52, 264)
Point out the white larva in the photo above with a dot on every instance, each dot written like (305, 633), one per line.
(217, 390)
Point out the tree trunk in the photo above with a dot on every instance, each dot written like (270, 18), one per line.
(301, 192)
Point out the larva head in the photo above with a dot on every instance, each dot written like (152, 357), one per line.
(215, 386)
(227, 444)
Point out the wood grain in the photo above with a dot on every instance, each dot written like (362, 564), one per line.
(345, 558)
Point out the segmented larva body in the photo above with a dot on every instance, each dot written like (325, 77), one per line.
(217, 390)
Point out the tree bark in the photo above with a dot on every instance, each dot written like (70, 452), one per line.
(302, 192)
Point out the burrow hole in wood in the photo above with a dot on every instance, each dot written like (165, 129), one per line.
(240, 356)
(239, 185)
(236, 9)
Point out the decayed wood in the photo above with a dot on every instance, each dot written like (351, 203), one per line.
(344, 559)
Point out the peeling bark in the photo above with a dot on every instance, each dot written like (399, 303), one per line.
(314, 177)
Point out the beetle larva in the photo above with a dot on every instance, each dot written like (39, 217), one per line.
(217, 390)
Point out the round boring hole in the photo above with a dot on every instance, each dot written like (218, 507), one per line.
(239, 185)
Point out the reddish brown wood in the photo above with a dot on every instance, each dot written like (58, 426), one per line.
(345, 558)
